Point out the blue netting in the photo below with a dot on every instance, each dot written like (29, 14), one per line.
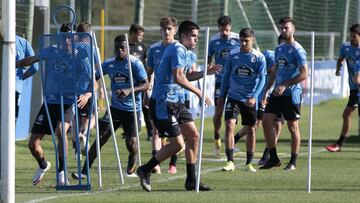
(66, 63)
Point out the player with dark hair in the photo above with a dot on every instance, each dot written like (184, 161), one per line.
(220, 46)
(122, 108)
(172, 118)
(243, 80)
(290, 69)
(349, 52)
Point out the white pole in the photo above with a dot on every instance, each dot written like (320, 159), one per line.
(202, 110)
(133, 98)
(96, 113)
(311, 111)
(271, 18)
(109, 114)
(291, 9)
(8, 104)
(194, 10)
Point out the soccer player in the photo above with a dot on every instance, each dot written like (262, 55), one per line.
(168, 26)
(138, 49)
(220, 46)
(23, 50)
(290, 69)
(122, 108)
(41, 125)
(349, 51)
(172, 119)
(243, 80)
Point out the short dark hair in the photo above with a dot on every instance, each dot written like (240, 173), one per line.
(246, 32)
(168, 21)
(355, 28)
(66, 27)
(118, 41)
(223, 21)
(286, 19)
(186, 27)
(135, 28)
(83, 27)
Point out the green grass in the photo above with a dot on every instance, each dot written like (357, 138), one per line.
(335, 176)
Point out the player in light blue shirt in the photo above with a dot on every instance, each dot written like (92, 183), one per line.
(244, 78)
(23, 50)
(122, 108)
(220, 46)
(350, 52)
(172, 119)
(290, 69)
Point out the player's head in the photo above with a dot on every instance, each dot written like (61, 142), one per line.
(168, 28)
(188, 34)
(120, 46)
(287, 27)
(136, 33)
(66, 27)
(224, 26)
(355, 34)
(83, 27)
(247, 39)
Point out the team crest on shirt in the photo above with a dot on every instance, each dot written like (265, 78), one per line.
(233, 42)
(291, 51)
(236, 57)
(253, 59)
(157, 51)
(217, 43)
(347, 49)
(224, 53)
(111, 65)
(242, 71)
(140, 48)
(119, 78)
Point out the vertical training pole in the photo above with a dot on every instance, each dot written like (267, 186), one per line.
(311, 111)
(8, 104)
(133, 98)
(109, 113)
(102, 36)
(202, 110)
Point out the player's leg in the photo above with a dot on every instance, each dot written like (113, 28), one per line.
(346, 124)
(156, 140)
(272, 109)
(217, 120)
(231, 113)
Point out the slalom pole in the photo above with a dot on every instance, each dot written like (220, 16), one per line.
(133, 98)
(109, 114)
(311, 111)
(202, 110)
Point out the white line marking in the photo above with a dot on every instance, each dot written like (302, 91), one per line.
(157, 181)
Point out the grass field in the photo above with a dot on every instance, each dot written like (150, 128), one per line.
(335, 176)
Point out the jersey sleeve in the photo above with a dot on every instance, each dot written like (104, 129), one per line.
(178, 59)
(139, 70)
(342, 51)
(211, 49)
(300, 56)
(150, 61)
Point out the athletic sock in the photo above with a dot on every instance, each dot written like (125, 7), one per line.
(273, 154)
(190, 173)
(230, 154)
(150, 165)
(216, 136)
(237, 137)
(266, 154)
(173, 160)
(249, 157)
(61, 164)
(341, 140)
(42, 163)
(293, 158)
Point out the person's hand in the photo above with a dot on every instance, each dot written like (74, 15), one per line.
(83, 100)
(250, 102)
(146, 100)
(208, 101)
(214, 69)
(279, 90)
(122, 93)
(338, 72)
